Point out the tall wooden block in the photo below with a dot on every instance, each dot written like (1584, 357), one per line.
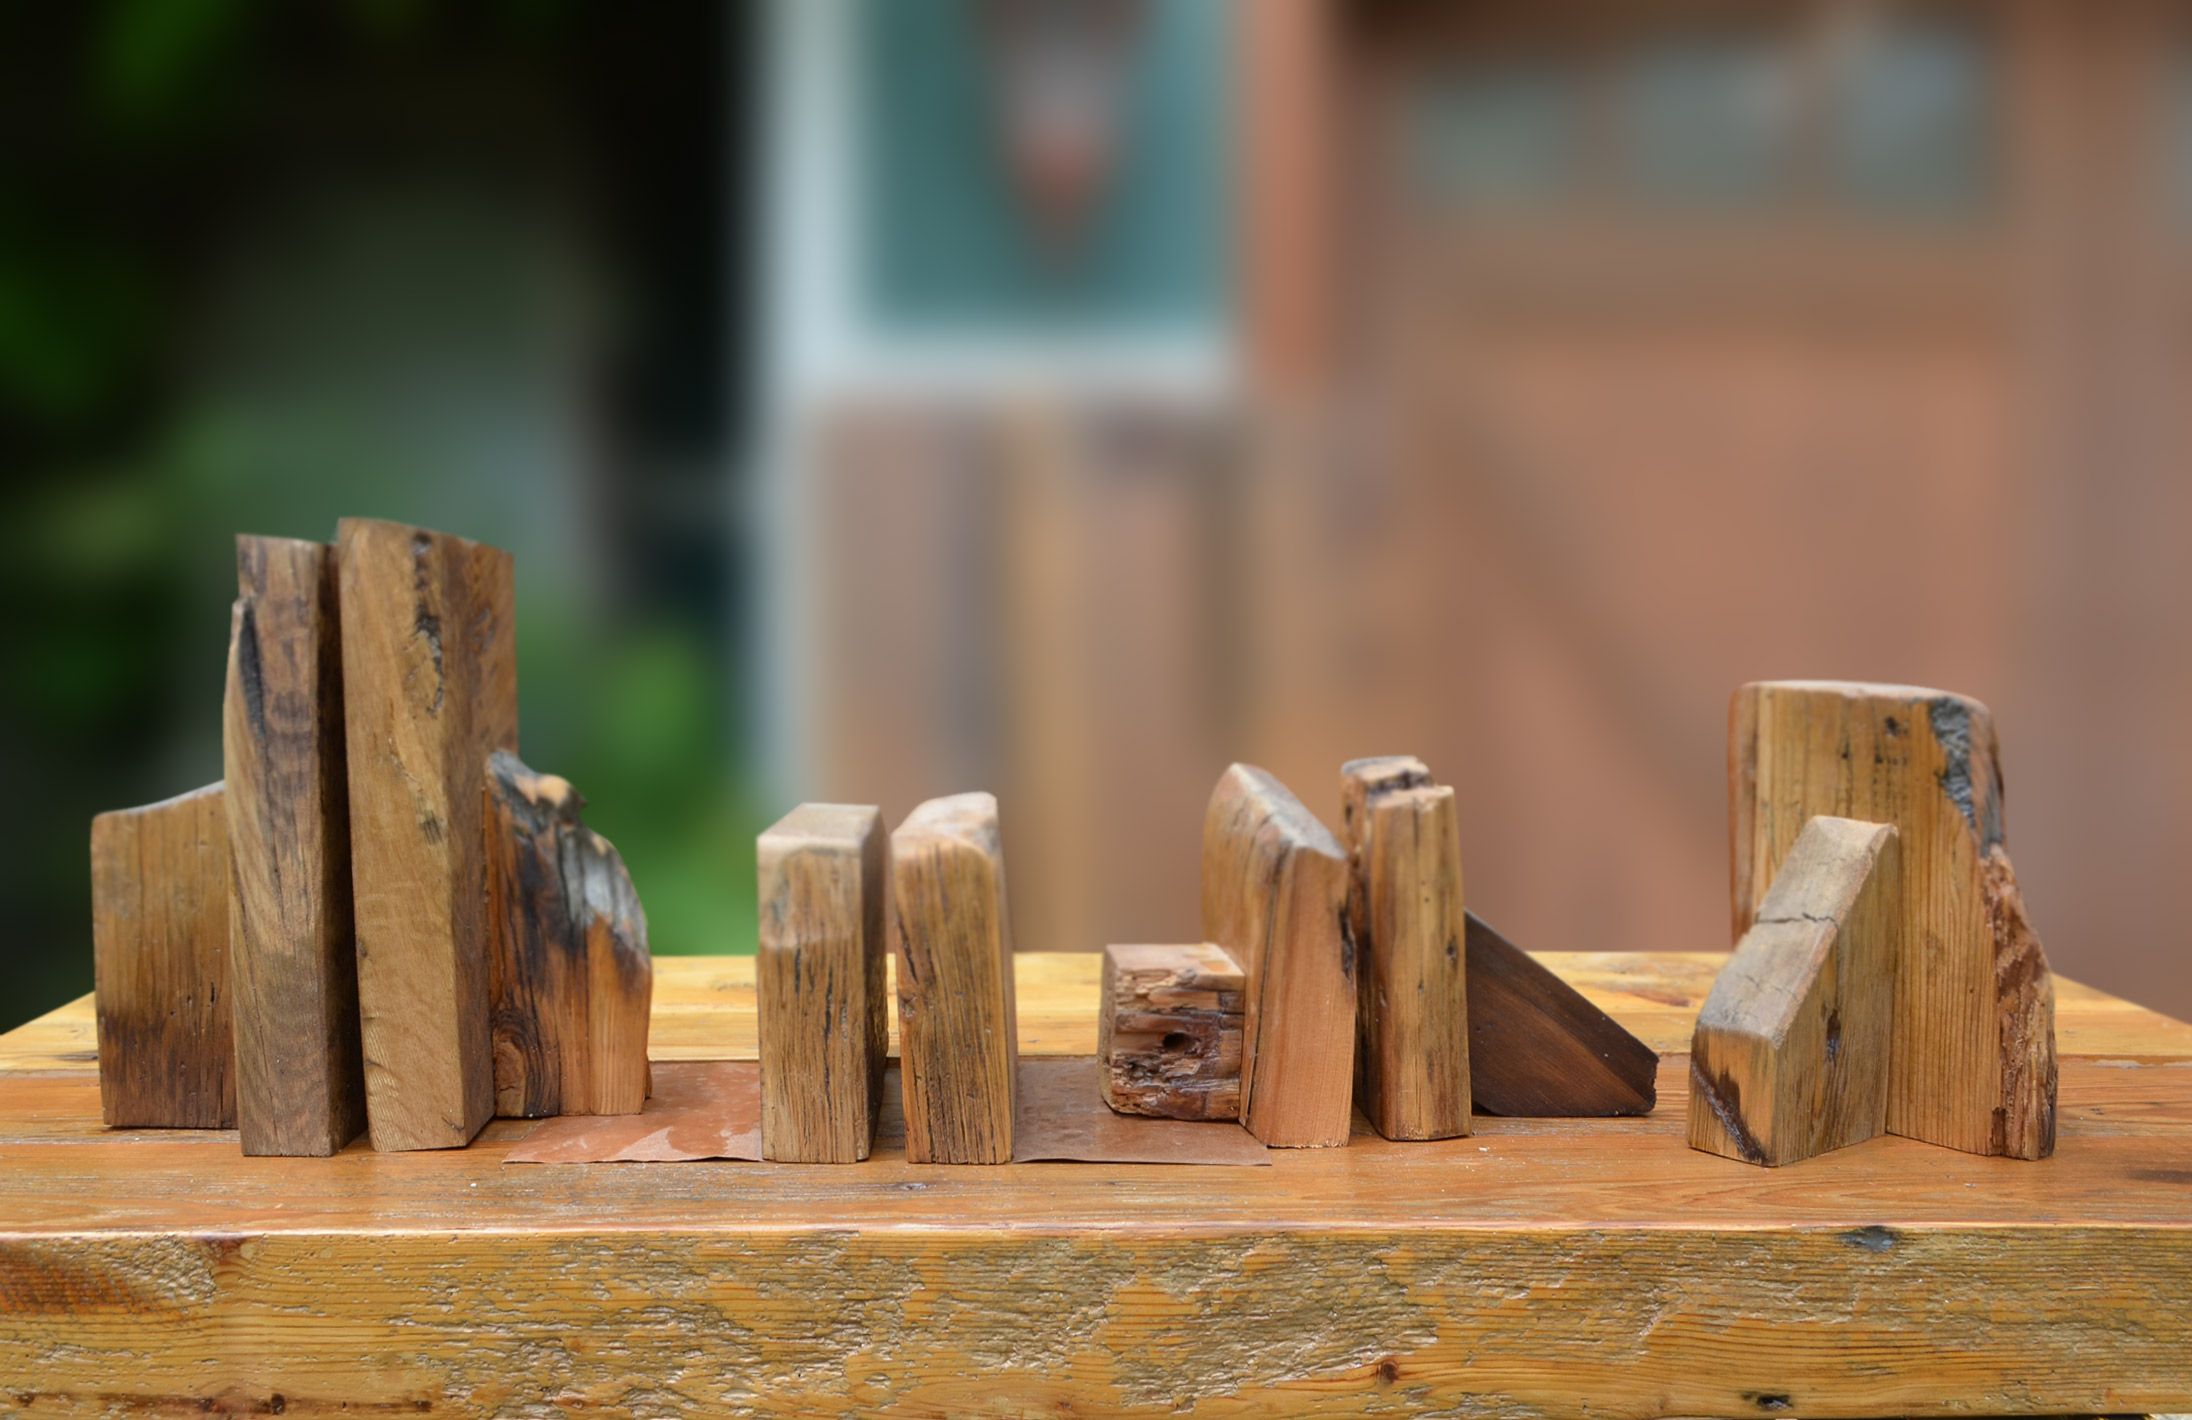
(570, 981)
(428, 693)
(159, 935)
(1972, 1059)
(958, 1041)
(1169, 1029)
(1790, 1056)
(824, 1021)
(1538, 1048)
(293, 965)
(1274, 893)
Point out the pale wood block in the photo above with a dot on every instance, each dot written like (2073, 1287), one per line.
(1790, 1056)
(821, 983)
(1169, 1031)
(159, 935)
(293, 965)
(952, 935)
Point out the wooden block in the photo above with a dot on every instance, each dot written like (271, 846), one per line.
(958, 1043)
(570, 981)
(428, 681)
(824, 1020)
(1405, 906)
(1169, 1029)
(159, 935)
(293, 964)
(1538, 1048)
(1790, 1056)
(1275, 896)
(1972, 1059)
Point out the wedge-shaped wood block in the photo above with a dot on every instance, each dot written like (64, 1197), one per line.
(1790, 1055)
(570, 981)
(159, 937)
(429, 690)
(824, 1020)
(1538, 1048)
(1971, 1064)
(1274, 890)
(1168, 1031)
(958, 1041)
(293, 963)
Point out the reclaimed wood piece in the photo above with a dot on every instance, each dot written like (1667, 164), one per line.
(1972, 1058)
(569, 976)
(159, 957)
(292, 963)
(1790, 1057)
(428, 693)
(1275, 896)
(1168, 1031)
(1405, 905)
(952, 935)
(1540, 1047)
(821, 989)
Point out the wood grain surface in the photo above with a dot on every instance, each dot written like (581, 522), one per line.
(1168, 1030)
(1539, 1044)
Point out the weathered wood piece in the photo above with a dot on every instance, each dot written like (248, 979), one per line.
(159, 954)
(1274, 894)
(292, 964)
(1790, 1056)
(824, 1016)
(1972, 1056)
(958, 1038)
(1169, 1030)
(428, 693)
(1405, 906)
(1539, 1048)
(569, 976)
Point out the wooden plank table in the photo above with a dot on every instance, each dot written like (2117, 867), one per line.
(1540, 1267)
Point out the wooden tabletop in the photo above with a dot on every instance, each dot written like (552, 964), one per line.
(1539, 1267)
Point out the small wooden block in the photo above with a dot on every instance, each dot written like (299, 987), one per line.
(824, 1021)
(1790, 1055)
(1405, 905)
(293, 963)
(1538, 1048)
(1169, 1030)
(958, 1039)
(159, 934)
(1274, 890)
(570, 981)
(428, 693)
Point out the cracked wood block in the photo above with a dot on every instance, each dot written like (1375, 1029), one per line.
(1790, 1055)
(1274, 894)
(1972, 1052)
(293, 965)
(1538, 1048)
(429, 691)
(958, 1042)
(824, 1022)
(570, 981)
(1168, 1031)
(159, 935)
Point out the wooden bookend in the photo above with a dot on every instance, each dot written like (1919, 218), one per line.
(1168, 1031)
(1971, 1058)
(1405, 906)
(1790, 1055)
(428, 692)
(570, 981)
(958, 1039)
(159, 956)
(824, 1022)
(1274, 889)
(1538, 1048)
(293, 964)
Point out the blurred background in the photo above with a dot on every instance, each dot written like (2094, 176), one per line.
(884, 398)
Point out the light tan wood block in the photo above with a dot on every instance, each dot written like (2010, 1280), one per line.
(952, 935)
(823, 997)
(1169, 1031)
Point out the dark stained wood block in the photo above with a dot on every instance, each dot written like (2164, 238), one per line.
(1539, 1048)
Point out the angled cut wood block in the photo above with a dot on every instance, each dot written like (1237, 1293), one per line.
(293, 966)
(1972, 1056)
(1538, 1048)
(1790, 1055)
(159, 934)
(1274, 894)
(824, 1023)
(958, 1042)
(1169, 1029)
